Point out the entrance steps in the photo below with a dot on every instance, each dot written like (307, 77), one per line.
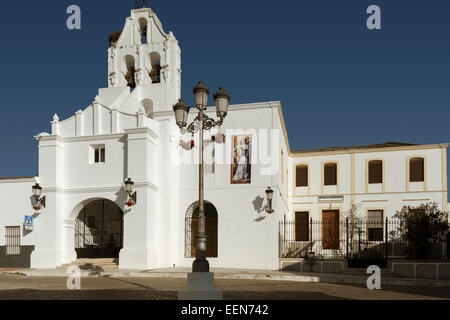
(94, 264)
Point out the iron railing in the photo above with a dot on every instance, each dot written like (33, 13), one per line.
(99, 225)
(351, 239)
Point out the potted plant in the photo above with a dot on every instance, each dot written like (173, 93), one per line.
(311, 257)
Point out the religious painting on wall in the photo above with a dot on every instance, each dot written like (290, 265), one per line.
(241, 162)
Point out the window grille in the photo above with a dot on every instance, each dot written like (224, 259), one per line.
(12, 240)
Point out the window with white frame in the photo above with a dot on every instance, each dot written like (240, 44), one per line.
(97, 154)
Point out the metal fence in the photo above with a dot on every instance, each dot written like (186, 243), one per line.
(352, 239)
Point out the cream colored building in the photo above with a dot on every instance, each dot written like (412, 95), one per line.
(378, 177)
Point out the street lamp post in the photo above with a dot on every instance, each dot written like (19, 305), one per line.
(201, 123)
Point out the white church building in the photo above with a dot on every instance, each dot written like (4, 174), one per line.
(129, 132)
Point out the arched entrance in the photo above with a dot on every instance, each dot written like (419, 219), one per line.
(99, 230)
(211, 225)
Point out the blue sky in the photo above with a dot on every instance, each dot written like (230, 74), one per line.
(340, 83)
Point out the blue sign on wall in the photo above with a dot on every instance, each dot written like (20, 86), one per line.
(28, 224)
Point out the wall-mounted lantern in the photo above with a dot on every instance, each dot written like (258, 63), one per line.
(269, 195)
(40, 201)
(132, 200)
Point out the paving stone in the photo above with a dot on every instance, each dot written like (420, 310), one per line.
(444, 271)
(291, 266)
(426, 270)
(317, 267)
(404, 269)
(332, 267)
(54, 288)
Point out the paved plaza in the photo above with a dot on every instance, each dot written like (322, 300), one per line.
(17, 286)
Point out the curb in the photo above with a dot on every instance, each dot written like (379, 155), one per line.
(325, 278)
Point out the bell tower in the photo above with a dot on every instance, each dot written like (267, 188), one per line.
(146, 59)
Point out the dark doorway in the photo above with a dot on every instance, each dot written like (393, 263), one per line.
(99, 230)
(211, 230)
(448, 246)
(302, 226)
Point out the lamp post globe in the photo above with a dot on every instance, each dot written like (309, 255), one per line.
(201, 93)
(37, 190)
(181, 111)
(129, 185)
(222, 99)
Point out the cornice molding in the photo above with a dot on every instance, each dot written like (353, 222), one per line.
(233, 107)
(18, 180)
(293, 198)
(94, 137)
(144, 130)
(145, 184)
(263, 187)
(369, 150)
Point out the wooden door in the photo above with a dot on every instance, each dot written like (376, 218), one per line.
(194, 228)
(330, 229)
(211, 237)
(211, 240)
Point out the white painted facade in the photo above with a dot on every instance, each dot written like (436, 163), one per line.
(137, 130)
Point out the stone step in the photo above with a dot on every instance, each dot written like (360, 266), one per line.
(97, 260)
(90, 266)
(93, 264)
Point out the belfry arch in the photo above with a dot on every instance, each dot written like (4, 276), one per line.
(143, 30)
(155, 62)
(130, 68)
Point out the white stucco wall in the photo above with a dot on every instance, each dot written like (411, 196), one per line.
(15, 196)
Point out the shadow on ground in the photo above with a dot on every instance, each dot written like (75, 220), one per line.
(151, 295)
(93, 269)
(420, 292)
